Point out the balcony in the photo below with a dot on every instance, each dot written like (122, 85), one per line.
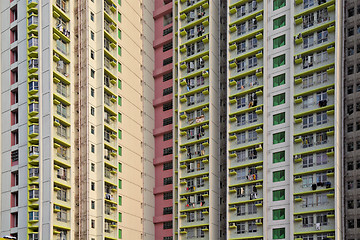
(63, 5)
(311, 228)
(61, 30)
(193, 101)
(244, 177)
(193, 135)
(238, 232)
(194, 118)
(244, 11)
(255, 212)
(193, 16)
(310, 105)
(110, 229)
(191, 186)
(245, 30)
(193, 221)
(311, 144)
(243, 68)
(245, 193)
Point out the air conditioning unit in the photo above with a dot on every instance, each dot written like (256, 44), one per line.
(182, 46)
(297, 57)
(259, 70)
(299, 36)
(297, 157)
(57, 120)
(182, 114)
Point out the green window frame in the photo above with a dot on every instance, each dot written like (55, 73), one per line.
(119, 1)
(120, 133)
(279, 157)
(120, 117)
(279, 41)
(279, 61)
(279, 22)
(278, 4)
(119, 67)
(120, 184)
(120, 167)
(120, 217)
(119, 33)
(279, 233)
(120, 200)
(279, 99)
(279, 195)
(120, 150)
(120, 100)
(279, 176)
(278, 137)
(119, 17)
(279, 214)
(120, 230)
(119, 50)
(279, 118)
(279, 80)
(119, 84)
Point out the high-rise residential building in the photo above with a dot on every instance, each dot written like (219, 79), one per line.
(76, 108)
(163, 107)
(351, 125)
(281, 176)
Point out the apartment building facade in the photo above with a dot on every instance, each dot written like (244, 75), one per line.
(283, 119)
(163, 107)
(351, 88)
(77, 79)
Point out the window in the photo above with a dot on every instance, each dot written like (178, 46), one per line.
(279, 22)
(279, 99)
(14, 178)
(92, 17)
(14, 137)
(93, 167)
(167, 210)
(167, 46)
(279, 80)
(14, 56)
(92, 186)
(13, 35)
(168, 19)
(92, 223)
(279, 214)
(119, 17)
(167, 151)
(279, 61)
(92, 148)
(92, 54)
(279, 41)
(13, 14)
(92, 204)
(120, 200)
(350, 31)
(167, 106)
(92, 92)
(120, 150)
(119, 133)
(167, 121)
(350, 166)
(119, 100)
(167, 225)
(92, 73)
(351, 12)
(279, 157)
(279, 176)
(167, 61)
(119, 67)
(14, 220)
(167, 76)
(92, 111)
(279, 195)
(119, 33)
(92, 130)
(279, 118)
(167, 166)
(120, 184)
(167, 31)
(279, 233)
(14, 199)
(167, 91)
(278, 4)
(167, 195)
(167, 136)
